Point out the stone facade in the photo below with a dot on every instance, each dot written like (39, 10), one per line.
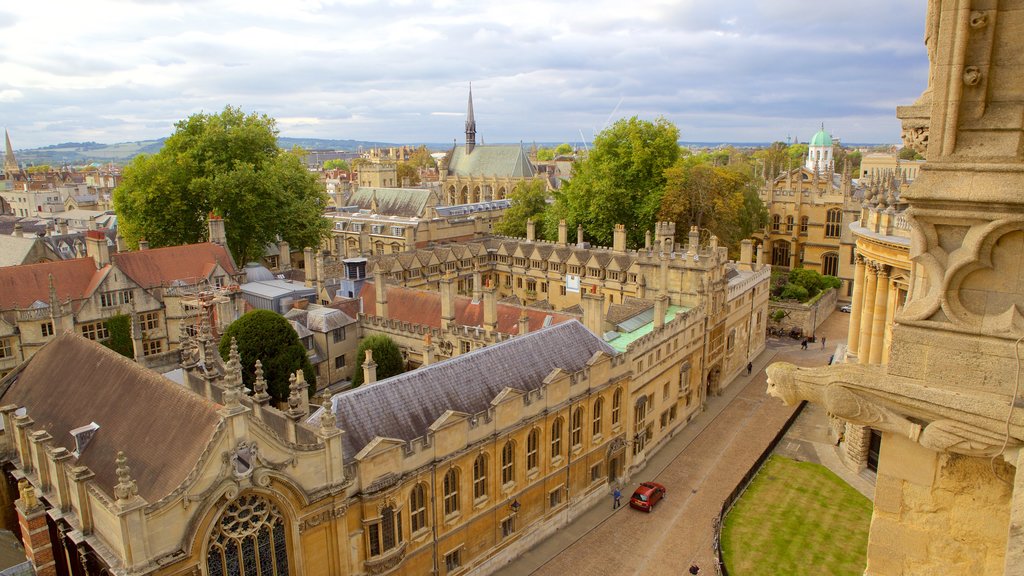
(950, 487)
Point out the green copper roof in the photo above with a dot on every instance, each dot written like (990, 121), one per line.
(822, 138)
(405, 202)
(500, 160)
(622, 342)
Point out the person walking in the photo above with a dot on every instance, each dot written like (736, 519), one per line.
(750, 367)
(822, 342)
(803, 345)
(616, 496)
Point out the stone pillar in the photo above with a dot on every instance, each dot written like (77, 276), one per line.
(878, 316)
(867, 311)
(853, 335)
(856, 442)
(759, 263)
(35, 535)
(890, 310)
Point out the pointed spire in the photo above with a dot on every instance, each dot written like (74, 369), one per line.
(259, 386)
(126, 487)
(10, 162)
(233, 377)
(470, 124)
(328, 421)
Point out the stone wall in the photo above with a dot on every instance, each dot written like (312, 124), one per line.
(806, 317)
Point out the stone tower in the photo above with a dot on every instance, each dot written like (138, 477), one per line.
(470, 124)
(10, 162)
(949, 496)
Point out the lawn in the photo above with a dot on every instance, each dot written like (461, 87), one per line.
(797, 518)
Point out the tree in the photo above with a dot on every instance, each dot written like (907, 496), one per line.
(545, 154)
(268, 337)
(621, 181)
(528, 200)
(336, 164)
(421, 158)
(406, 170)
(908, 153)
(386, 355)
(719, 199)
(227, 164)
(563, 149)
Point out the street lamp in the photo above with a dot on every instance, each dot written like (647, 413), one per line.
(514, 506)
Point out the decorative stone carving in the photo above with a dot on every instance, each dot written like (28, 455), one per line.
(972, 75)
(126, 488)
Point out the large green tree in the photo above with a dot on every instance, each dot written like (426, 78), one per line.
(621, 181)
(528, 200)
(267, 336)
(227, 164)
(386, 355)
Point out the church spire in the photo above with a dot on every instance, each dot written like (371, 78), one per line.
(470, 124)
(11, 163)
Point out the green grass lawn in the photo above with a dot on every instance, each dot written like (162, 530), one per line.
(797, 518)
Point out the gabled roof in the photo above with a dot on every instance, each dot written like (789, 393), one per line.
(161, 427)
(503, 160)
(15, 250)
(405, 202)
(20, 286)
(187, 264)
(404, 406)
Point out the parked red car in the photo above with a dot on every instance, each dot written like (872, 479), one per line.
(647, 495)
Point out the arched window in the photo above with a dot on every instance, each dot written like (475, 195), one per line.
(576, 428)
(556, 438)
(616, 406)
(450, 492)
(803, 224)
(508, 463)
(480, 476)
(830, 264)
(418, 508)
(598, 413)
(532, 448)
(789, 224)
(249, 538)
(384, 534)
(776, 222)
(833, 223)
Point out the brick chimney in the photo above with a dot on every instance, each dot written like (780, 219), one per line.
(96, 247)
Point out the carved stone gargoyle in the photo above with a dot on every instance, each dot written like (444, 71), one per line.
(962, 422)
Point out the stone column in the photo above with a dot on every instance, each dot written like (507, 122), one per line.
(867, 313)
(878, 316)
(890, 311)
(853, 335)
(856, 442)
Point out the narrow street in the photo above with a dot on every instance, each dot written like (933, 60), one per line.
(699, 468)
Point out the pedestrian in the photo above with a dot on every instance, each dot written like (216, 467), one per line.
(616, 496)
(803, 345)
(822, 342)
(750, 367)
(694, 569)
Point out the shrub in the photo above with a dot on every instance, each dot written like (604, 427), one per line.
(268, 337)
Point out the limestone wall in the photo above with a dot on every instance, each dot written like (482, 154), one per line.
(803, 316)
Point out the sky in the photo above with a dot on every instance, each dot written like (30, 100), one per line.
(399, 71)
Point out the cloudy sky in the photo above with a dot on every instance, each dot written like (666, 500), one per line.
(399, 71)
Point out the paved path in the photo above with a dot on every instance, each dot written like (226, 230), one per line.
(699, 468)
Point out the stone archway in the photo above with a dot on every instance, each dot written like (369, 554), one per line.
(713, 382)
(780, 253)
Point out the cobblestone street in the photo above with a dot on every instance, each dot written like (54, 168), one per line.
(699, 468)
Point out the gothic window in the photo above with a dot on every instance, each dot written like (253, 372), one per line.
(532, 447)
(508, 463)
(450, 492)
(616, 406)
(576, 433)
(556, 438)
(480, 476)
(803, 224)
(789, 223)
(418, 508)
(833, 223)
(776, 222)
(830, 264)
(386, 533)
(249, 538)
(598, 413)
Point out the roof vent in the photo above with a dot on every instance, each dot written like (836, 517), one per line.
(83, 434)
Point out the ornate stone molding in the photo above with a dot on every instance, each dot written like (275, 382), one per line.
(321, 517)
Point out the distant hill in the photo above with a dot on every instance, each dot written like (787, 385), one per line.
(79, 153)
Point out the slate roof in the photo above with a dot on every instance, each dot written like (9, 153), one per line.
(20, 286)
(165, 266)
(404, 406)
(161, 427)
(424, 307)
(405, 202)
(15, 250)
(503, 160)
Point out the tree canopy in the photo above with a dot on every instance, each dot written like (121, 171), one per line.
(336, 164)
(268, 337)
(801, 284)
(386, 355)
(528, 200)
(227, 164)
(621, 181)
(406, 170)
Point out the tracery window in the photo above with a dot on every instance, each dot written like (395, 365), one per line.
(386, 533)
(830, 264)
(248, 539)
(833, 223)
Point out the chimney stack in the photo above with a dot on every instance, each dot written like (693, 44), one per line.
(62, 226)
(143, 244)
(524, 323)
(490, 310)
(593, 312)
(310, 265)
(447, 303)
(428, 350)
(760, 257)
(18, 230)
(563, 233)
(694, 238)
(579, 235)
(746, 254)
(619, 239)
(380, 289)
(96, 247)
(284, 256)
(217, 233)
(369, 369)
(531, 230)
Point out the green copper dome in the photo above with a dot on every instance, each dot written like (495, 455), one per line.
(822, 138)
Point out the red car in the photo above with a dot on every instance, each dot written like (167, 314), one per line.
(647, 495)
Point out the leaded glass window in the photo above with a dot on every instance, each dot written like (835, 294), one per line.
(248, 540)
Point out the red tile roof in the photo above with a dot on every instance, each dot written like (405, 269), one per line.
(424, 307)
(163, 266)
(20, 286)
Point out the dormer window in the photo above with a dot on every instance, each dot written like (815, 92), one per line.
(82, 436)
